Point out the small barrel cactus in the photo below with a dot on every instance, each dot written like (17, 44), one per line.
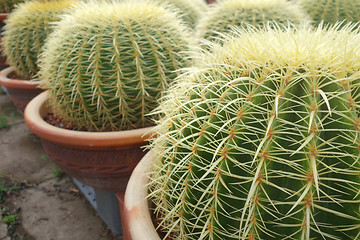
(225, 14)
(6, 6)
(331, 11)
(262, 140)
(25, 32)
(107, 64)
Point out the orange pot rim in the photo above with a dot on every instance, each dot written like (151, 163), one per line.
(36, 110)
(3, 16)
(136, 210)
(16, 83)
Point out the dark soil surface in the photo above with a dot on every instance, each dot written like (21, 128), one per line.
(37, 201)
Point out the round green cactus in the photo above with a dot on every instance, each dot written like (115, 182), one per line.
(225, 14)
(331, 11)
(107, 64)
(6, 6)
(262, 139)
(25, 32)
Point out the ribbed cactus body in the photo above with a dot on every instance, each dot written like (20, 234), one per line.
(107, 64)
(331, 11)
(6, 6)
(262, 140)
(25, 32)
(225, 14)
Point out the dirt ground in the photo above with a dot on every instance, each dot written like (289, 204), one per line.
(46, 206)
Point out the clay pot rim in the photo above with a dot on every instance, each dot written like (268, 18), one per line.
(16, 83)
(36, 110)
(136, 211)
(3, 16)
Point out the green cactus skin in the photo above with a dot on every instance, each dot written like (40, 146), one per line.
(331, 11)
(225, 14)
(6, 6)
(190, 10)
(262, 140)
(25, 32)
(107, 63)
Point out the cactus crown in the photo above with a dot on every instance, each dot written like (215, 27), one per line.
(26, 30)
(262, 139)
(224, 14)
(331, 11)
(6, 6)
(107, 63)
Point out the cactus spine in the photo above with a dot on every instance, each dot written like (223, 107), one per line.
(225, 14)
(331, 11)
(26, 30)
(107, 63)
(262, 141)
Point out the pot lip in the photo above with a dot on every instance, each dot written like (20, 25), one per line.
(15, 83)
(136, 204)
(3, 16)
(36, 109)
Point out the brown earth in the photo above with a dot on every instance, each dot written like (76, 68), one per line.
(48, 207)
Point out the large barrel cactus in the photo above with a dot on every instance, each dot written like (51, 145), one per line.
(25, 32)
(107, 64)
(331, 11)
(225, 14)
(262, 140)
(6, 6)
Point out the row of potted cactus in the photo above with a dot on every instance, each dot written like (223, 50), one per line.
(257, 132)
(104, 66)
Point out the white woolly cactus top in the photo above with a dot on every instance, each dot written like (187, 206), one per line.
(330, 49)
(261, 140)
(90, 11)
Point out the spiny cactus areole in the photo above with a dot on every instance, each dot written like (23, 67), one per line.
(225, 14)
(262, 140)
(107, 63)
(25, 32)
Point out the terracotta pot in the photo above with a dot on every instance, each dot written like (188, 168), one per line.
(103, 160)
(136, 216)
(3, 16)
(21, 91)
